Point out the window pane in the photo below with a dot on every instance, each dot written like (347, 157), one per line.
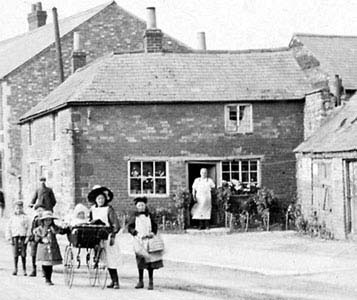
(244, 118)
(253, 165)
(160, 186)
(135, 187)
(235, 166)
(225, 166)
(232, 110)
(245, 165)
(245, 177)
(225, 176)
(160, 169)
(135, 169)
(235, 175)
(253, 177)
(148, 186)
(148, 168)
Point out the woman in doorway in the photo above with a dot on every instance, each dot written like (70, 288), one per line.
(201, 192)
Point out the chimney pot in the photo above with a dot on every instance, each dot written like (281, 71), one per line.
(39, 6)
(151, 18)
(77, 46)
(201, 41)
(338, 92)
(78, 55)
(33, 7)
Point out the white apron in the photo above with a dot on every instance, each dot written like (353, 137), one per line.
(202, 208)
(114, 258)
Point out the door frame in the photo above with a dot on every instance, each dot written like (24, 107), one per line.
(349, 202)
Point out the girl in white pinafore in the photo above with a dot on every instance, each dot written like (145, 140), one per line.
(101, 210)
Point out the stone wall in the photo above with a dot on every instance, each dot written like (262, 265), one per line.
(47, 147)
(110, 136)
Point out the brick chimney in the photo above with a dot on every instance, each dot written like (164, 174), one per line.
(78, 54)
(37, 17)
(152, 35)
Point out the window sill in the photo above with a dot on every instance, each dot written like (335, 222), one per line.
(149, 195)
(238, 133)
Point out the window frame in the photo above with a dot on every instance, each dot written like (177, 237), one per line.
(54, 126)
(240, 172)
(227, 120)
(154, 177)
(30, 133)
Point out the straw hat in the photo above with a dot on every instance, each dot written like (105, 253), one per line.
(47, 215)
(100, 190)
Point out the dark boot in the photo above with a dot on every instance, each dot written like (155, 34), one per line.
(140, 283)
(23, 259)
(33, 273)
(47, 270)
(151, 279)
(206, 224)
(200, 225)
(16, 259)
(115, 279)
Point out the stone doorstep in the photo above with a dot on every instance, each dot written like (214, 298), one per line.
(211, 231)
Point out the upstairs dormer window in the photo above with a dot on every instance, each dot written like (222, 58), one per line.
(239, 118)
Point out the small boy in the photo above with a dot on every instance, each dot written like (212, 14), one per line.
(33, 244)
(18, 232)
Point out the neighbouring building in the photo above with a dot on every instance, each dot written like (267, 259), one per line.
(327, 172)
(28, 73)
(145, 123)
(330, 64)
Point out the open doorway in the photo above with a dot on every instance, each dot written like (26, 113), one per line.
(193, 169)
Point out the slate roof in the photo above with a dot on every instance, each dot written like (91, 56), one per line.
(17, 50)
(336, 54)
(336, 135)
(180, 77)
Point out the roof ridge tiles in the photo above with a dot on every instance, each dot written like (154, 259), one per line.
(243, 51)
(323, 35)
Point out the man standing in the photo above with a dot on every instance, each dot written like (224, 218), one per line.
(201, 190)
(44, 196)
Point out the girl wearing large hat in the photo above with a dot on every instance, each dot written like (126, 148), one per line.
(103, 212)
(48, 251)
(143, 227)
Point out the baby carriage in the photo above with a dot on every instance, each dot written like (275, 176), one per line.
(89, 238)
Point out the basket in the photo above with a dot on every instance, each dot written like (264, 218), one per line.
(88, 236)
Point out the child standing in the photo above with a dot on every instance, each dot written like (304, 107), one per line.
(101, 210)
(18, 232)
(143, 227)
(33, 244)
(48, 251)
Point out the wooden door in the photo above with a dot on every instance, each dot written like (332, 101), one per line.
(351, 197)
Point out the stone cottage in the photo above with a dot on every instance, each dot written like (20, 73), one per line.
(28, 71)
(327, 172)
(330, 65)
(325, 179)
(145, 123)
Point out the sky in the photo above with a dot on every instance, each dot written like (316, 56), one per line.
(229, 24)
